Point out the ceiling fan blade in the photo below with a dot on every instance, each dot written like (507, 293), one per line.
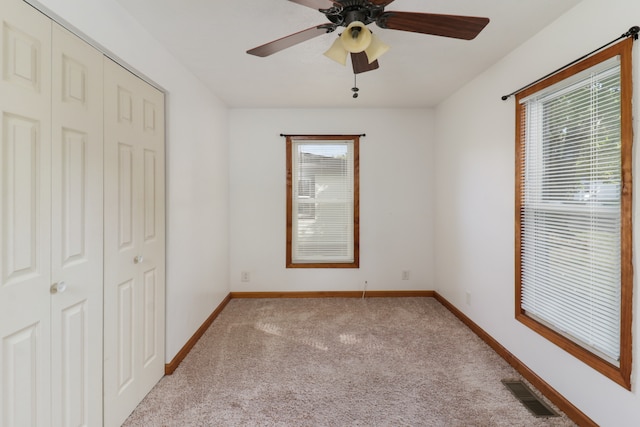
(316, 4)
(459, 27)
(381, 2)
(361, 64)
(291, 40)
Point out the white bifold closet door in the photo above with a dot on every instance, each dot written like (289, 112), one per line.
(51, 228)
(77, 231)
(25, 216)
(134, 241)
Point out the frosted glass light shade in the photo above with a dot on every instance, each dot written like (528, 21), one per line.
(337, 52)
(361, 42)
(376, 48)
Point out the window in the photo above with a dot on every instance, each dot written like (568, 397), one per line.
(573, 210)
(323, 201)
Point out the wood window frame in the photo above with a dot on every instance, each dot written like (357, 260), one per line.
(356, 201)
(620, 374)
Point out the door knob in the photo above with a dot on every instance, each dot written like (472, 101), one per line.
(138, 259)
(58, 288)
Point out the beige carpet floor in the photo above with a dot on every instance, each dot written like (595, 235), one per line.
(337, 362)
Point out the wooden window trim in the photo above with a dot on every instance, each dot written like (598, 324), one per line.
(621, 374)
(356, 201)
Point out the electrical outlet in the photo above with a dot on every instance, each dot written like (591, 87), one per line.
(406, 274)
(468, 296)
(245, 276)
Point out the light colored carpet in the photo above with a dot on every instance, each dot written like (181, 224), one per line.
(337, 362)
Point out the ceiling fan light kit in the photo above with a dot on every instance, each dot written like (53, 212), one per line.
(365, 48)
(355, 39)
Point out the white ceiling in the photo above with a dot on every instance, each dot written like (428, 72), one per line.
(211, 37)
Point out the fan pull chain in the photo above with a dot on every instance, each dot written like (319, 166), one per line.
(355, 89)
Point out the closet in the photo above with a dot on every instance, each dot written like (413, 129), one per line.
(81, 229)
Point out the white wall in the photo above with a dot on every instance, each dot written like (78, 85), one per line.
(475, 203)
(197, 164)
(396, 198)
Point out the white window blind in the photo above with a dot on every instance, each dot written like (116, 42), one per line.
(322, 201)
(570, 248)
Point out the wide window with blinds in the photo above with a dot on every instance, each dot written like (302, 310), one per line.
(322, 201)
(573, 210)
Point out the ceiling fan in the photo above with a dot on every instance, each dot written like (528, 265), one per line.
(357, 40)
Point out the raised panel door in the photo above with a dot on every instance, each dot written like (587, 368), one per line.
(77, 230)
(25, 215)
(152, 235)
(134, 241)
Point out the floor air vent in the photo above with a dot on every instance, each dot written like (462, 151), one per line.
(529, 399)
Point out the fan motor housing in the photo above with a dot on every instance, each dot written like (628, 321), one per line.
(353, 10)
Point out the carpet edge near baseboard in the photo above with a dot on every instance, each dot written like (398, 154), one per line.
(575, 414)
(170, 367)
(334, 294)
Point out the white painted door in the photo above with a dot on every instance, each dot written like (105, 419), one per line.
(134, 241)
(77, 230)
(25, 215)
